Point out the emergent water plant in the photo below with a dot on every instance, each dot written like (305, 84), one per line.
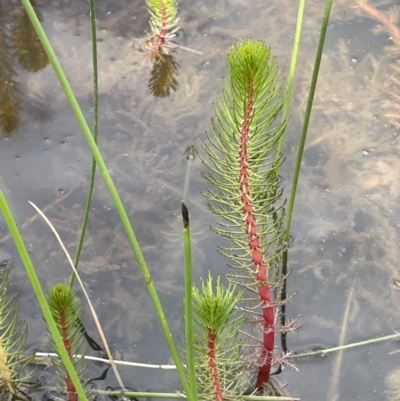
(243, 163)
(243, 156)
(13, 357)
(67, 314)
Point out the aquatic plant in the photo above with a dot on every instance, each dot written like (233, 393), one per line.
(163, 75)
(30, 52)
(10, 92)
(163, 23)
(221, 373)
(13, 359)
(243, 160)
(67, 313)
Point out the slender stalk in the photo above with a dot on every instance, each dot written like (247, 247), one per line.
(328, 6)
(95, 137)
(31, 273)
(296, 174)
(292, 70)
(189, 303)
(322, 352)
(113, 192)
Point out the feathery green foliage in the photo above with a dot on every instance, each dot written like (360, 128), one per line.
(67, 313)
(220, 371)
(223, 150)
(12, 342)
(243, 162)
(163, 18)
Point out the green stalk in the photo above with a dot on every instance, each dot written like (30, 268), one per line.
(292, 71)
(113, 192)
(328, 6)
(187, 249)
(30, 271)
(322, 352)
(95, 137)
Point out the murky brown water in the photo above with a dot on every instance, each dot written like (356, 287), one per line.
(347, 218)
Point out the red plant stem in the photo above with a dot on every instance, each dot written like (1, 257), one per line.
(260, 267)
(387, 23)
(163, 31)
(72, 396)
(213, 366)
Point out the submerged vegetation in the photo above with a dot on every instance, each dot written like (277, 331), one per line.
(231, 331)
(19, 42)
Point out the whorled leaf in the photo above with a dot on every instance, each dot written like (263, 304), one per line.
(13, 359)
(220, 371)
(243, 163)
(67, 313)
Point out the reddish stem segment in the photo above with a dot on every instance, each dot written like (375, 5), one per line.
(160, 40)
(213, 366)
(387, 23)
(72, 396)
(260, 267)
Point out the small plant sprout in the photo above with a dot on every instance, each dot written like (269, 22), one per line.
(67, 314)
(220, 371)
(243, 162)
(13, 359)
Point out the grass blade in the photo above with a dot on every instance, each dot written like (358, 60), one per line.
(31, 273)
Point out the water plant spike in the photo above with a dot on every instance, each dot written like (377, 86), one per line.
(242, 161)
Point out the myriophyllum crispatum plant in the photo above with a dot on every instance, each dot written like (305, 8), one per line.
(67, 314)
(13, 359)
(164, 24)
(221, 373)
(242, 161)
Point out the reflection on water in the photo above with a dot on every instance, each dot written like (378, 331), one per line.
(163, 75)
(18, 40)
(347, 217)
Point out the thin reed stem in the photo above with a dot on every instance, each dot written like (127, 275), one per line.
(292, 71)
(322, 352)
(189, 303)
(328, 6)
(95, 137)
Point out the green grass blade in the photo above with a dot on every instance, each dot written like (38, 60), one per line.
(95, 137)
(113, 192)
(328, 6)
(292, 70)
(30, 271)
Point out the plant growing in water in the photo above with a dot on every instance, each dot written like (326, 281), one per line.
(12, 343)
(243, 158)
(243, 162)
(164, 24)
(220, 371)
(158, 46)
(67, 314)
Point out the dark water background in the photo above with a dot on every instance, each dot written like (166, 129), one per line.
(347, 216)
